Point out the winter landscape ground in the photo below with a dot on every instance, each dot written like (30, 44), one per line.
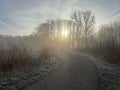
(108, 73)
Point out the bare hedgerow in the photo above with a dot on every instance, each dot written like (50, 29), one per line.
(13, 56)
(46, 53)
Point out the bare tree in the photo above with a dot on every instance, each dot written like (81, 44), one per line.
(88, 21)
(83, 26)
(78, 24)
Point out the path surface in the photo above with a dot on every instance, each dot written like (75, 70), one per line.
(77, 73)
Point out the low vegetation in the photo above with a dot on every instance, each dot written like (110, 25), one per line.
(46, 54)
(16, 56)
(108, 74)
(13, 56)
(20, 66)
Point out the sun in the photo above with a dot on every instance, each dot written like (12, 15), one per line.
(64, 33)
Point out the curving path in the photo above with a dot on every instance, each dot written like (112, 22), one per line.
(77, 73)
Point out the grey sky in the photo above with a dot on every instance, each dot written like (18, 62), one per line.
(20, 17)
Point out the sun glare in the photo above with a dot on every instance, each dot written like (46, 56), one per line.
(65, 33)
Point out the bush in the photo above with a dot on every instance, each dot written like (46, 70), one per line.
(13, 57)
(46, 53)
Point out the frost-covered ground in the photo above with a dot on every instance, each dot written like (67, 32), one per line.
(109, 74)
(32, 73)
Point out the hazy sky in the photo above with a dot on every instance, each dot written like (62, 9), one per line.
(20, 17)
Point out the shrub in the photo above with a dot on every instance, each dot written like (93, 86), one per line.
(46, 53)
(13, 56)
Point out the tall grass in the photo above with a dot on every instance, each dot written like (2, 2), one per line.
(46, 53)
(13, 56)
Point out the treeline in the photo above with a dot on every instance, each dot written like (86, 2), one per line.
(82, 35)
(80, 29)
(108, 41)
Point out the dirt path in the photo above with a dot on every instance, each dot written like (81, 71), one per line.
(77, 73)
